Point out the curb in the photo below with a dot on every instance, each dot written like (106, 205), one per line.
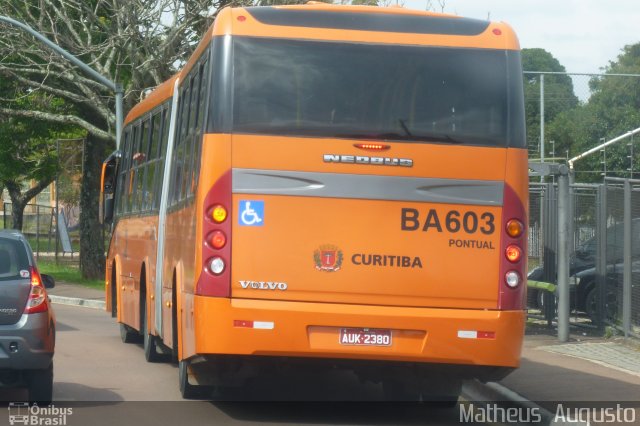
(492, 392)
(75, 301)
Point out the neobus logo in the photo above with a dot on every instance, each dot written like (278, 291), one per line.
(363, 159)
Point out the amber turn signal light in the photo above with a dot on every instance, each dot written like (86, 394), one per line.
(515, 228)
(218, 213)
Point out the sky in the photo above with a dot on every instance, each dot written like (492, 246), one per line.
(584, 35)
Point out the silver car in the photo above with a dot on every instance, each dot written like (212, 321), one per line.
(27, 321)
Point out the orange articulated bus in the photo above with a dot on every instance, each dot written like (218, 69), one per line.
(338, 186)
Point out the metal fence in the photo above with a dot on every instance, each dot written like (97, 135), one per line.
(604, 249)
(619, 264)
(39, 227)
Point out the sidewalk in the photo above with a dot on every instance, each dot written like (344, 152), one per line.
(75, 294)
(587, 370)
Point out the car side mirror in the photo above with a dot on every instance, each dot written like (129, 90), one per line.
(109, 206)
(48, 281)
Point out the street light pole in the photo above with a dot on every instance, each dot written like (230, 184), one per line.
(115, 87)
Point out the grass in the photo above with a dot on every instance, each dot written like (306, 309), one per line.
(68, 273)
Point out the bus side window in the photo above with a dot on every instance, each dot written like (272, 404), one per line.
(135, 143)
(141, 160)
(164, 140)
(150, 175)
(189, 179)
(176, 166)
(202, 100)
(124, 163)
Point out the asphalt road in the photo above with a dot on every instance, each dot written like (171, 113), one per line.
(104, 381)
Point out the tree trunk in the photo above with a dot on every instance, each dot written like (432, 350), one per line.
(91, 236)
(17, 206)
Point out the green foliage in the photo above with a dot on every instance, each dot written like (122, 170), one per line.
(365, 2)
(558, 93)
(69, 274)
(28, 145)
(612, 110)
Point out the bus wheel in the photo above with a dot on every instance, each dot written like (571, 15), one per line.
(150, 346)
(128, 334)
(187, 390)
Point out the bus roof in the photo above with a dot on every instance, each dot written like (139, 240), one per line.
(331, 22)
(160, 94)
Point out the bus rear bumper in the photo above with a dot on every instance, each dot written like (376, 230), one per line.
(302, 329)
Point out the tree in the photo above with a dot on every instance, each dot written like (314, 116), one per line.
(136, 43)
(612, 110)
(27, 152)
(558, 93)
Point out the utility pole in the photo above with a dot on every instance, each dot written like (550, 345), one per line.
(630, 157)
(542, 122)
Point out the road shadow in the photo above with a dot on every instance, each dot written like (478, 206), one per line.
(65, 394)
(339, 413)
(69, 392)
(335, 397)
(60, 326)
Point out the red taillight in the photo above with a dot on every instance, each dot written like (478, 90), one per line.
(217, 239)
(37, 301)
(513, 253)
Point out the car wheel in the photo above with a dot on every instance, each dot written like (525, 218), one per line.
(610, 305)
(40, 385)
(128, 334)
(540, 300)
(150, 346)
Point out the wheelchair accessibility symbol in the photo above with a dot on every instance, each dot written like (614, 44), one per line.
(251, 213)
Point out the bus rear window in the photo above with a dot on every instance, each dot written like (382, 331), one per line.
(390, 92)
(13, 259)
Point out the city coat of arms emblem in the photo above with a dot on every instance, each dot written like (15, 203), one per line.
(328, 258)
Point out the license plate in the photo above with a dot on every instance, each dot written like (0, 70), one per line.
(365, 337)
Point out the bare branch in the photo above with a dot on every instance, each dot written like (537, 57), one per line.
(60, 119)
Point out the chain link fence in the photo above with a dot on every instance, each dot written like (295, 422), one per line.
(635, 262)
(604, 274)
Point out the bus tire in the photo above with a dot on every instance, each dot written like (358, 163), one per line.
(187, 390)
(128, 334)
(149, 343)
